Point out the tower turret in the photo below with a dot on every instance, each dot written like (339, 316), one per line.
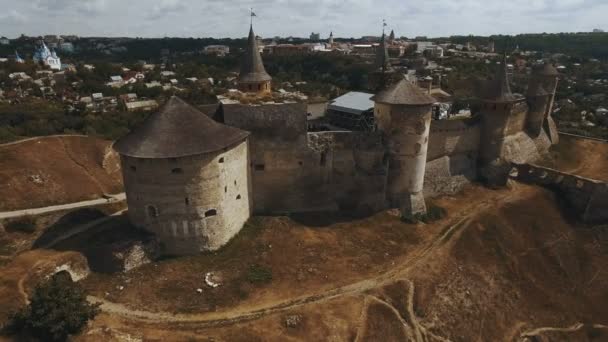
(498, 105)
(383, 75)
(331, 39)
(391, 37)
(540, 96)
(403, 115)
(253, 77)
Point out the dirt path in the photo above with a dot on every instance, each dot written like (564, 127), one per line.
(210, 319)
(573, 328)
(76, 205)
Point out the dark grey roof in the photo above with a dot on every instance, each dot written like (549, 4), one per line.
(404, 92)
(177, 130)
(499, 90)
(252, 68)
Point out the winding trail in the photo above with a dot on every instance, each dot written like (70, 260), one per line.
(235, 315)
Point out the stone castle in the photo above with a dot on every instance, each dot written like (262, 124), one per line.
(194, 179)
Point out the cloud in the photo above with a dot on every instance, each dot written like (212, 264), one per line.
(165, 8)
(347, 18)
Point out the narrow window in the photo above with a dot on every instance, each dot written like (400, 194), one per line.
(177, 170)
(211, 212)
(323, 159)
(235, 182)
(152, 211)
(259, 87)
(133, 168)
(221, 160)
(260, 167)
(238, 197)
(187, 200)
(225, 189)
(300, 163)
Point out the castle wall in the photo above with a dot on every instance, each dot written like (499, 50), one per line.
(193, 203)
(452, 155)
(355, 168)
(296, 171)
(586, 197)
(453, 137)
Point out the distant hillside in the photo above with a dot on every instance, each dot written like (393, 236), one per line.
(54, 170)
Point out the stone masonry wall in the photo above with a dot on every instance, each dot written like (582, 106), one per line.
(192, 203)
(587, 197)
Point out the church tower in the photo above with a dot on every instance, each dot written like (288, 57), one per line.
(253, 78)
(383, 75)
(403, 115)
(331, 39)
(497, 108)
(391, 37)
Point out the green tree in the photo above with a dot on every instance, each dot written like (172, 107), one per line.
(58, 308)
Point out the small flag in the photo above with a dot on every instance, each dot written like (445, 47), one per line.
(252, 13)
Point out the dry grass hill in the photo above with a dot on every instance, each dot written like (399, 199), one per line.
(46, 171)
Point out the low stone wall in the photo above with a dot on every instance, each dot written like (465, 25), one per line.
(588, 197)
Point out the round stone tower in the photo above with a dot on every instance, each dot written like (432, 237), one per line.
(186, 179)
(497, 107)
(539, 100)
(253, 78)
(540, 95)
(403, 115)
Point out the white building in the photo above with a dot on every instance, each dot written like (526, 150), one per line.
(47, 57)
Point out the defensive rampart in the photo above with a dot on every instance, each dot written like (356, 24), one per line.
(587, 197)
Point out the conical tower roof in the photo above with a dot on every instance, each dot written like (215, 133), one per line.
(178, 130)
(382, 58)
(252, 68)
(404, 93)
(547, 70)
(391, 37)
(499, 89)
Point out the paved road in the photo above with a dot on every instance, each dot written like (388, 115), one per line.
(76, 205)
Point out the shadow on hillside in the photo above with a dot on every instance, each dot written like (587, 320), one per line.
(109, 245)
(66, 224)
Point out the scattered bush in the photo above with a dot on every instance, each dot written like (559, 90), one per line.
(25, 224)
(58, 308)
(433, 213)
(259, 274)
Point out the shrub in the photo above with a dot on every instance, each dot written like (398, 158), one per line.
(433, 213)
(25, 224)
(58, 308)
(259, 274)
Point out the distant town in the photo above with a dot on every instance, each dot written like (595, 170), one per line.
(111, 77)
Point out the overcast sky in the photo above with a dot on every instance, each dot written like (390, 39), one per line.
(347, 18)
